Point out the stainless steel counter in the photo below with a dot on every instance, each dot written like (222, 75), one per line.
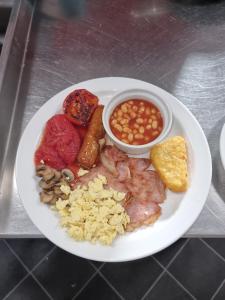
(176, 45)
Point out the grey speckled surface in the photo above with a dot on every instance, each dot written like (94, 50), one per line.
(176, 45)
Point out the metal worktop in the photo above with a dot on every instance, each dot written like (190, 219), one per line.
(176, 45)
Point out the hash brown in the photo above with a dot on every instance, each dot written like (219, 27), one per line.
(170, 160)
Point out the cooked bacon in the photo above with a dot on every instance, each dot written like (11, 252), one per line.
(112, 181)
(141, 213)
(123, 171)
(138, 165)
(147, 186)
(108, 163)
(114, 153)
(144, 188)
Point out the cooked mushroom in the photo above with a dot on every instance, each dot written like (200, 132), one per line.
(57, 190)
(68, 174)
(46, 197)
(46, 185)
(40, 169)
(57, 176)
(64, 197)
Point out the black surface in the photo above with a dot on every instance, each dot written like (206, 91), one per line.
(132, 279)
(31, 251)
(165, 256)
(218, 245)
(198, 269)
(63, 274)
(167, 289)
(29, 289)
(98, 289)
(11, 271)
(221, 293)
(196, 272)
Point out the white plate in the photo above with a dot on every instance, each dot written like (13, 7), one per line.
(179, 210)
(222, 146)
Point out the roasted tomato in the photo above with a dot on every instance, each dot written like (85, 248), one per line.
(60, 143)
(79, 106)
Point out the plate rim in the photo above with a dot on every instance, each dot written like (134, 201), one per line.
(206, 191)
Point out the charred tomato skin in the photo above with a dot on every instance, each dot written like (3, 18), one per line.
(79, 106)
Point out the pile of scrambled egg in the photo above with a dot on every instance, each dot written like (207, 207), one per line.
(93, 213)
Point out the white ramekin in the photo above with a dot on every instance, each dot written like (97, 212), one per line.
(160, 103)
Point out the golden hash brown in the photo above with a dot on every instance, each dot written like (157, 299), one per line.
(170, 161)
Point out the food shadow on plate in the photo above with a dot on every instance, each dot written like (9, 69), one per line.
(218, 172)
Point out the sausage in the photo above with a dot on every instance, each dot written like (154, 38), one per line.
(90, 148)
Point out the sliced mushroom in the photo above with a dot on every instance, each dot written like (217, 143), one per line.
(64, 197)
(40, 169)
(46, 185)
(57, 190)
(48, 174)
(68, 174)
(57, 176)
(46, 197)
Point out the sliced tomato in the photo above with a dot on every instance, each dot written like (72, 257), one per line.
(60, 143)
(79, 106)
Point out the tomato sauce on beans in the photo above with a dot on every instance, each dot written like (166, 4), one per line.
(136, 122)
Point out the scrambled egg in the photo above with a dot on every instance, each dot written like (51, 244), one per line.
(93, 213)
(170, 160)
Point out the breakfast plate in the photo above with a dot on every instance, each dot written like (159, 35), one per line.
(222, 146)
(179, 211)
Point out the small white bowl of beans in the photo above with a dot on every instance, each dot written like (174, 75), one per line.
(137, 119)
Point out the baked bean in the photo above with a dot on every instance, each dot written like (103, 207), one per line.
(118, 127)
(141, 129)
(126, 129)
(154, 124)
(133, 115)
(124, 108)
(123, 121)
(140, 121)
(136, 122)
(138, 136)
(141, 109)
(114, 122)
(130, 137)
(155, 133)
(120, 113)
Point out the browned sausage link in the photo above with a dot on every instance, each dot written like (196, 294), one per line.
(90, 147)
